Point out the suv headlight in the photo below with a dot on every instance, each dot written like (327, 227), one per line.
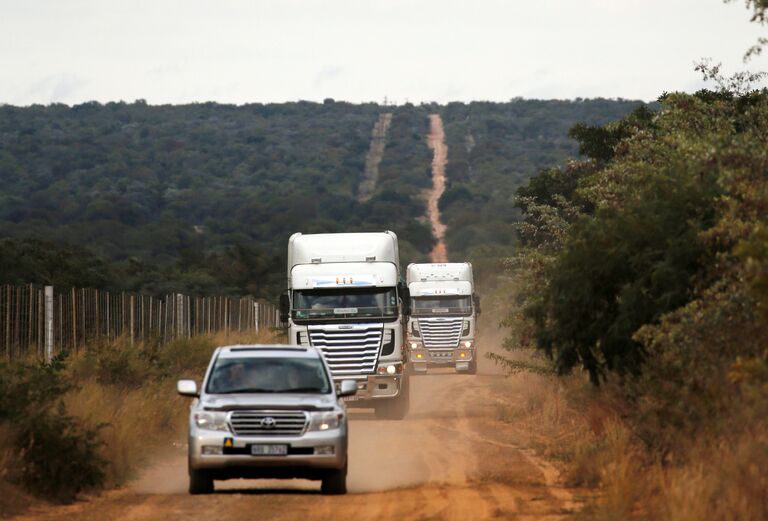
(323, 421)
(212, 421)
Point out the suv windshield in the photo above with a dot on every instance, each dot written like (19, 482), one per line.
(344, 303)
(435, 305)
(268, 375)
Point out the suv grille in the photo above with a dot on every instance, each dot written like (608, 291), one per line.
(268, 423)
(350, 350)
(441, 333)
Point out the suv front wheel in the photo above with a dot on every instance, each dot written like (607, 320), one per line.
(200, 482)
(335, 482)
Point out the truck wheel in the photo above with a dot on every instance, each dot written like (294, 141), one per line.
(200, 482)
(335, 482)
(472, 369)
(397, 408)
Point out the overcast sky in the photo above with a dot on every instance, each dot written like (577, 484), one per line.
(239, 51)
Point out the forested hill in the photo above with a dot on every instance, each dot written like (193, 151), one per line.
(203, 197)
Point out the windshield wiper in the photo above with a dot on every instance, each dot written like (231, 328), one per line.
(247, 390)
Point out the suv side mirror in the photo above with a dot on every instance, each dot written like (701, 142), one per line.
(476, 300)
(405, 297)
(285, 307)
(348, 388)
(187, 388)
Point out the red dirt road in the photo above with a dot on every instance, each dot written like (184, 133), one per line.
(449, 459)
(436, 141)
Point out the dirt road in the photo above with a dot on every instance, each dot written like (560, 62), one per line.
(436, 141)
(450, 459)
(374, 157)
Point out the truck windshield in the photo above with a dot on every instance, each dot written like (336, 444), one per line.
(442, 305)
(344, 303)
(268, 375)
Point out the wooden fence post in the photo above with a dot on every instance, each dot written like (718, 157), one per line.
(132, 320)
(48, 324)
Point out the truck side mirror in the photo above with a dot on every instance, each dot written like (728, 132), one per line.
(476, 300)
(285, 307)
(405, 296)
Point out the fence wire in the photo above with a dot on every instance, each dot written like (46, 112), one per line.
(82, 315)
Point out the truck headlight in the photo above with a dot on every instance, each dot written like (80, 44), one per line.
(415, 330)
(212, 421)
(324, 421)
(468, 344)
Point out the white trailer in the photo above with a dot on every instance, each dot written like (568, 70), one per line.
(344, 298)
(443, 322)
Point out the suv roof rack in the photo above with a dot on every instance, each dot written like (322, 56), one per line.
(278, 347)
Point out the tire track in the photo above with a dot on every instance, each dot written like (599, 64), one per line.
(436, 142)
(448, 460)
(374, 157)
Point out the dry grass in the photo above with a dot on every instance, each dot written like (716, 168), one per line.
(135, 401)
(716, 478)
(725, 481)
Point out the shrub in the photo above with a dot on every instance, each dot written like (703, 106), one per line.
(58, 457)
(54, 455)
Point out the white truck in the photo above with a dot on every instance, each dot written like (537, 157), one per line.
(443, 322)
(345, 298)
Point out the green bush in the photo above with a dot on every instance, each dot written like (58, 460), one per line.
(56, 456)
(115, 363)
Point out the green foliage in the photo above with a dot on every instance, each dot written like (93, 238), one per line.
(185, 357)
(55, 455)
(201, 198)
(26, 386)
(651, 265)
(495, 148)
(641, 246)
(624, 268)
(115, 363)
(58, 457)
(599, 142)
(22, 261)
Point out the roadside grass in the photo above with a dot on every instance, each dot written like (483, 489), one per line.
(125, 395)
(718, 476)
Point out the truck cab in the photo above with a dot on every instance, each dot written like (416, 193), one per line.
(443, 321)
(344, 298)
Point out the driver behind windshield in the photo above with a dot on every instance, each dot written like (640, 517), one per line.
(268, 375)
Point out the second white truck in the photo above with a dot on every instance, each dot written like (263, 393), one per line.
(443, 321)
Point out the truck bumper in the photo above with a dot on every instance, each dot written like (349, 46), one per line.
(459, 357)
(375, 388)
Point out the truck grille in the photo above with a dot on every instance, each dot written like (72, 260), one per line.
(350, 350)
(441, 333)
(268, 423)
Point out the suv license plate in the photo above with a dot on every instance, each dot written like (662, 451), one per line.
(269, 450)
(352, 398)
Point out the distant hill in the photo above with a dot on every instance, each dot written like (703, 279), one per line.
(203, 197)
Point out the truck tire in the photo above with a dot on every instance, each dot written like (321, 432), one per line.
(200, 482)
(334, 482)
(397, 408)
(472, 367)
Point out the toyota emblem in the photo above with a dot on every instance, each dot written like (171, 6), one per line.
(268, 422)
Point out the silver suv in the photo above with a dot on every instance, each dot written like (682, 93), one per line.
(267, 411)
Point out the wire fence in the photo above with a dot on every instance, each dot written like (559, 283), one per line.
(46, 321)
